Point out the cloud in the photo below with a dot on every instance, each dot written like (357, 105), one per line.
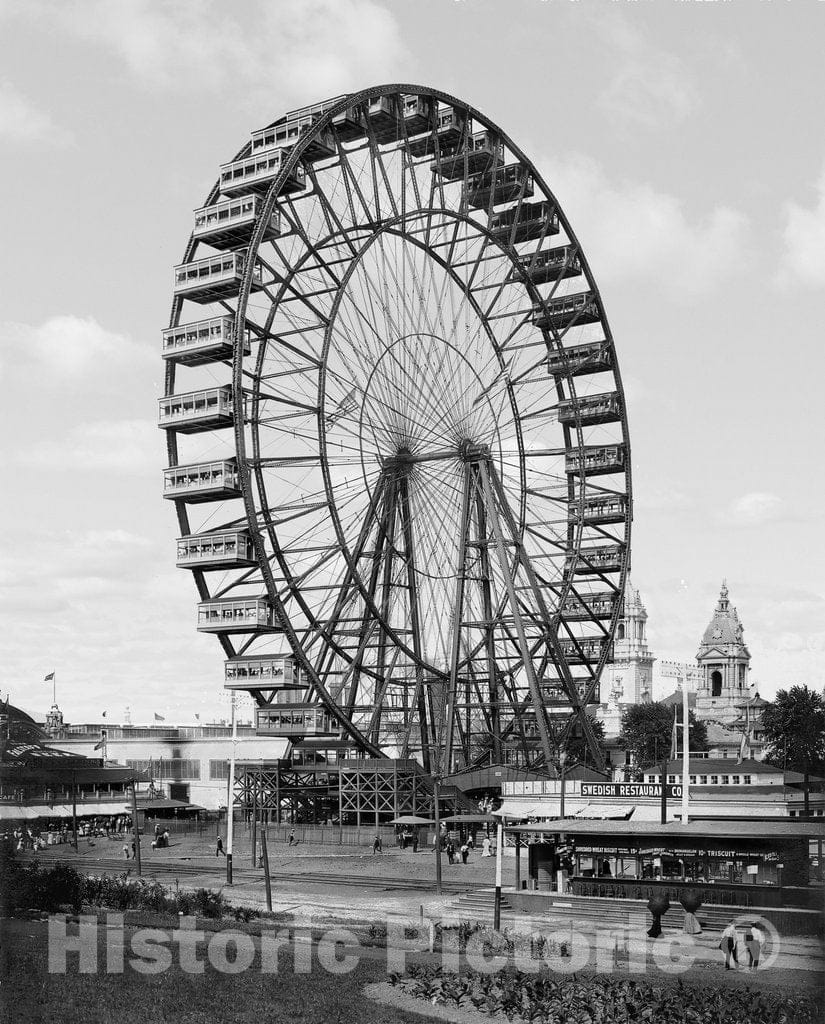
(803, 261)
(631, 230)
(22, 122)
(67, 348)
(293, 48)
(650, 87)
(755, 509)
(128, 447)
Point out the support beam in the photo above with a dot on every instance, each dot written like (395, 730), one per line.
(458, 604)
(419, 700)
(504, 562)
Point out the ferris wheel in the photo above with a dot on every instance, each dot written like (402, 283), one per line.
(397, 440)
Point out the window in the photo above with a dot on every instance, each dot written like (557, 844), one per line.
(218, 769)
(746, 779)
(703, 780)
(726, 780)
(671, 780)
(714, 780)
(735, 779)
(693, 780)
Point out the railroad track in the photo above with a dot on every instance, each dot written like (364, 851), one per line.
(245, 875)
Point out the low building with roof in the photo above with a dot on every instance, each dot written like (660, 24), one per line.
(40, 783)
(719, 788)
(731, 866)
(187, 765)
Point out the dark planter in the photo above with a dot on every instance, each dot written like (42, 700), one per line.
(658, 905)
(691, 901)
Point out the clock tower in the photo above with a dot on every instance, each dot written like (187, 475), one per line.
(723, 661)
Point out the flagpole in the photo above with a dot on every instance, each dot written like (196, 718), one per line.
(54, 687)
(685, 754)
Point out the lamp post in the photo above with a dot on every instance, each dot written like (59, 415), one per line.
(436, 801)
(499, 855)
(230, 799)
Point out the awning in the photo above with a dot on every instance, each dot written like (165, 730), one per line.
(606, 811)
(16, 812)
(649, 812)
(467, 819)
(537, 808)
(411, 819)
(166, 804)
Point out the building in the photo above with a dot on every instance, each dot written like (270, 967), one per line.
(723, 660)
(629, 678)
(730, 867)
(41, 783)
(188, 764)
(719, 788)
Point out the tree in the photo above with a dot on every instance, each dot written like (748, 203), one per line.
(794, 732)
(647, 732)
(578, 751)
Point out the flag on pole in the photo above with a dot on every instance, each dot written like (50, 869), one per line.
(197, 718)
(159, 718)
(743, 748)
(48, 678)
(103, 715)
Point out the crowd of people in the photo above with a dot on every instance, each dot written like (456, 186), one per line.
(38, 835)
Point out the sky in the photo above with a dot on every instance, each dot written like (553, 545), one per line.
(684, 140)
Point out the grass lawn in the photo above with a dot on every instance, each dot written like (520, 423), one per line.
(30, 994)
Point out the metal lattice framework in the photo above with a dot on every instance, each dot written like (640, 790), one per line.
(397, 436)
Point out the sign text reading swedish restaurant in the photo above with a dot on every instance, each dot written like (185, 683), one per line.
(631, 789)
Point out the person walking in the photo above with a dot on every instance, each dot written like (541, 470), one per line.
(755, 940)
(450, 852)
(485, 846)
(291, 837)
(376, 845)
(415, 841)
(728, 945)
(465, 852)
(219, 848)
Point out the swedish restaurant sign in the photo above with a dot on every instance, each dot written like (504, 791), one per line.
(629, 789)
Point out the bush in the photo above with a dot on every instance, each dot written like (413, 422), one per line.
(30, 887)
(584, 1000)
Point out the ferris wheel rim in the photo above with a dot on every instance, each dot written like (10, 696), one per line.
(243, 299)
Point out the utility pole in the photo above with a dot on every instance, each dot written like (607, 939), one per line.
(499, 855)
(135, 829)
(267, 880)
(74, 808)
(436, 801)
(685, 755)
(230, 798)
(562, 763)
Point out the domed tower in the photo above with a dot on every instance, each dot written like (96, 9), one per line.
(723, 661)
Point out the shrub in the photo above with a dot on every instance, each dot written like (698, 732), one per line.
(531, 998)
